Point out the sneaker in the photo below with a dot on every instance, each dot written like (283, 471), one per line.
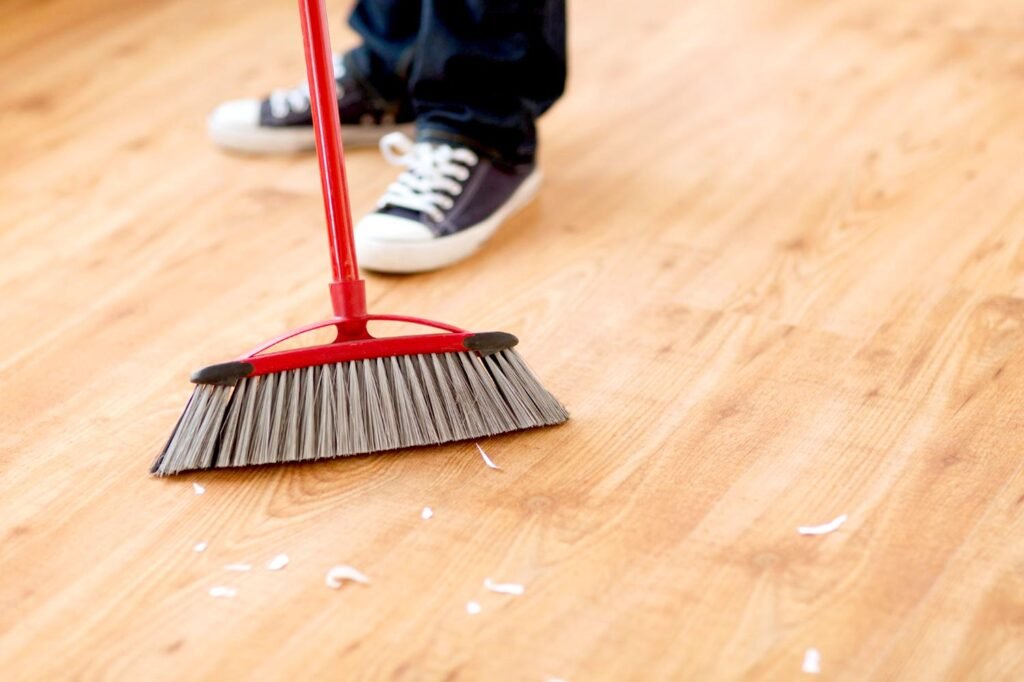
(283, 122)
(442, 209)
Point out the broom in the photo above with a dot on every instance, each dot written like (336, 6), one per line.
(358, 394)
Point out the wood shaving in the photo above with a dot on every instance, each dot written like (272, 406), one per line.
(198, 489)
(473, 608)
(426, 513)
(200, 547)
(223, 592)
(504, 588)
(278, 562)
(812, 661)
(238, 567)
(337, 574)
(824, 528)
(487, 460)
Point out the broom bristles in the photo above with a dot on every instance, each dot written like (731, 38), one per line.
(357, 407)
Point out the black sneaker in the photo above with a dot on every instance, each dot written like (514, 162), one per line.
(442, 209)
(283, 122)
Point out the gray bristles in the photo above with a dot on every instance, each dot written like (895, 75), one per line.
(355, 408)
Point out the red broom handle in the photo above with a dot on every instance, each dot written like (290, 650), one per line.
(348, 294)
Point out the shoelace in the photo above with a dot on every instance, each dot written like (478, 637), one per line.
(436, 173)
(284, 101)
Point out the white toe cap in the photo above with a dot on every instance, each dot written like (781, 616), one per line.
(236, 114)
(380, 227)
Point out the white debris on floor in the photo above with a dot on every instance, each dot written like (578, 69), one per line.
(554, 679)
(812, 661)
(426, 513)
(198, 489)
(473, 608)
(278, 562)
(200, 547)
(223, 592)
(504, 588)
(824, 528)
(487, 460)
(338, 574)
(238, 567)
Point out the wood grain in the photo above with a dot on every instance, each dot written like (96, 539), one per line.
(776, 272)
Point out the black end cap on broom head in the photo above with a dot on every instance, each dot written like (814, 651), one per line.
(224, 374)
(487, 343)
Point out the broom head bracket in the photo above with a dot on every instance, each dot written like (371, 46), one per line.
(353, 342)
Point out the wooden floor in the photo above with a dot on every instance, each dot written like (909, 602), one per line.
(776, 273)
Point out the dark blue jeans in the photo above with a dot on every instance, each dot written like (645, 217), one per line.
(475, 71)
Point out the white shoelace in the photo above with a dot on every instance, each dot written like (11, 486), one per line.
(286, 100)
(436, 173)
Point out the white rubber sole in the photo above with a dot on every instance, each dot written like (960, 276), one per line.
(290, 140)
(408, 257)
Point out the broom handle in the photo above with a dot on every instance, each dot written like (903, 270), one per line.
(348, 293)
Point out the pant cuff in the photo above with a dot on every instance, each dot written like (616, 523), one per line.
(432, 132)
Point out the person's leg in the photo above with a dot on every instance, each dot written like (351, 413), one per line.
(482, 72)
(372, 97)
(389, 29)
(485, 70)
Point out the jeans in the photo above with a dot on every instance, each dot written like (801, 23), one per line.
(478, 72)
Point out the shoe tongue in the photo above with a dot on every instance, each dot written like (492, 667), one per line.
(401, 212)
(437, 139)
